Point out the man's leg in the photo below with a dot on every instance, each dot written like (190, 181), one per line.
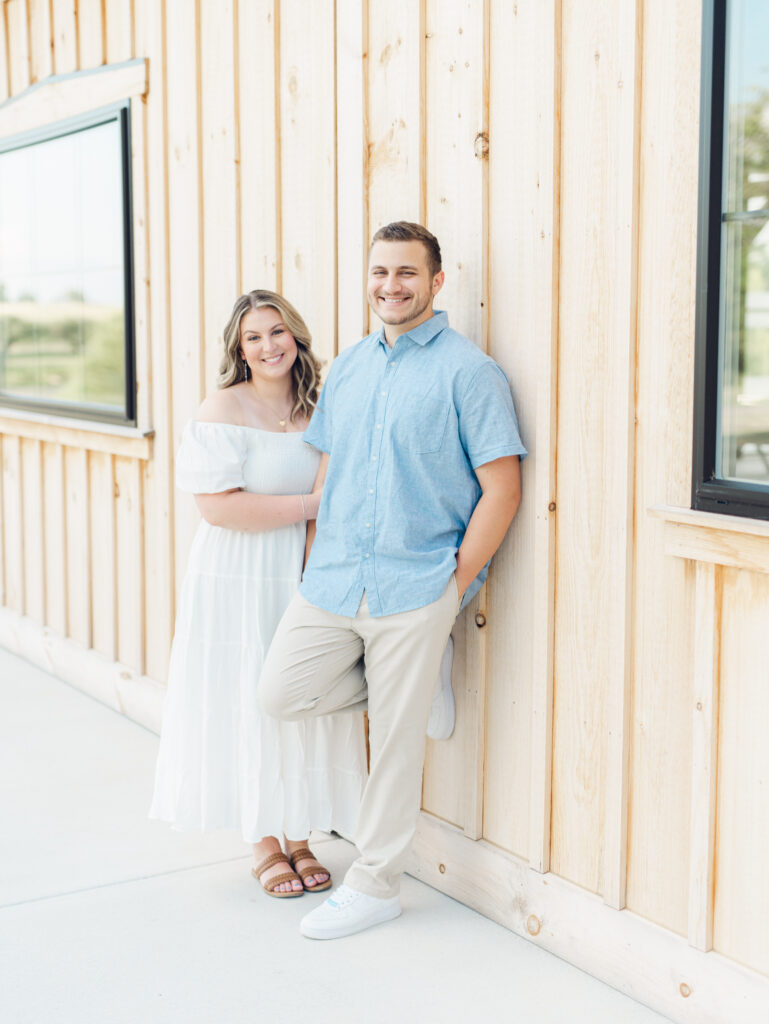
(403, 654)
(313, 666)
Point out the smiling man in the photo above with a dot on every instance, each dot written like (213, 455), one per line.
(421, 479)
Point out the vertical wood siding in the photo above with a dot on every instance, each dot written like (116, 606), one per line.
(552, 147)
(663, 587)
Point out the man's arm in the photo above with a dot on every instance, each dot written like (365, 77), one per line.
(500, 482)
(316, 490)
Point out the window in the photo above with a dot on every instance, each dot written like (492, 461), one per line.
(731, 429)
(66, 290)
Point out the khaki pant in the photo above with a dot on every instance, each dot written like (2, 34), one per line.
(314, 667)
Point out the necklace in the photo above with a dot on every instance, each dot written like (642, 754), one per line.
(281, 419)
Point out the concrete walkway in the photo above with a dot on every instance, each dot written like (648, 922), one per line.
(107, 918)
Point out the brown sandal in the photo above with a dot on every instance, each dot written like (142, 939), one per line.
(287, 876)
(305, 853)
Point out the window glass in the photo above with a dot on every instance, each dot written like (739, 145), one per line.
(63, 274)
(743, 406)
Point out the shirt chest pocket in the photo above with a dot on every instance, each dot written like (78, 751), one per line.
(421, 424)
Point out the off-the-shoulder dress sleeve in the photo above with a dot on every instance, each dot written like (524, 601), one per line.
(211, 458)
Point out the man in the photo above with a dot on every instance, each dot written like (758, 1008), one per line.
(421, 479)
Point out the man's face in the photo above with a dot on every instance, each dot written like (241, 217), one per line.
(400, 286)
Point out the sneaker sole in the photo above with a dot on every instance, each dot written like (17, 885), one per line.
(311, 931)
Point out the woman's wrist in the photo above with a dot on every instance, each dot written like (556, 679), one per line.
(310, 504)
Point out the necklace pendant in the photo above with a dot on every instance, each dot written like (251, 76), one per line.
(282, 423)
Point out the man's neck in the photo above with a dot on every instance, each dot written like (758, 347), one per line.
(394, 331)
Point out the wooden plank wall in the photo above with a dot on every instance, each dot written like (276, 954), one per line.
(552, 147)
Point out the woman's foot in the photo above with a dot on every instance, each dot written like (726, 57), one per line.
(268, 846)
(314, 875)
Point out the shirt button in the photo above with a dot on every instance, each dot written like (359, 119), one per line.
(371, 490)
(384, 393)
(379, 426)
(367, 555)
(368, 526)
(373, 458)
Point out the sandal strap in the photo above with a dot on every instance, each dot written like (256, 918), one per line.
(273, 883)
(302, 853)
(305, 853)
(311, 872)
(268, 862)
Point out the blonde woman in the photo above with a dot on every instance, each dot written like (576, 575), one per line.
(223, 764)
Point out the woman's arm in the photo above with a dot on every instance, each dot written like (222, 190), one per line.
(243, 510)
(255, 513)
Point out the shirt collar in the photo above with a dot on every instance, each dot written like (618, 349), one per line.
(424, 332)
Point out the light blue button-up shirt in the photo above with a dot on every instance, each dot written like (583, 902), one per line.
(405, 428)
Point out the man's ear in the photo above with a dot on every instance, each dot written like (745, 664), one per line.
(438, 280)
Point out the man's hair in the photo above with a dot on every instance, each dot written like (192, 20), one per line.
(406, 231)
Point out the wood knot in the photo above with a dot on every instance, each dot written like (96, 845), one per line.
(480, 620)
(685, 990)
(551, 507)
(533, 924)
(481, 146)
(442, 868)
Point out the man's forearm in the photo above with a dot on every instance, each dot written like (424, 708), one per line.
(501, 484)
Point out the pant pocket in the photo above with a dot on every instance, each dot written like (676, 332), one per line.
(457, 598)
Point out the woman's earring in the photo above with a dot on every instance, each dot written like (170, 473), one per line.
(245, 368)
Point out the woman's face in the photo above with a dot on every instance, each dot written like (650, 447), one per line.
(266, 344)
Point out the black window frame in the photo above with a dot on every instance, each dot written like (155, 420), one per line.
(120, 112)
(709, 492)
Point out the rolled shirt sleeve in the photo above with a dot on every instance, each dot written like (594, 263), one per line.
(318, 432)
(488, 426)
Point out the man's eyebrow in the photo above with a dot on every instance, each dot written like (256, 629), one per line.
(403, 266)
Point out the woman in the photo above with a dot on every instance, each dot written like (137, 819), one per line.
(221, 763)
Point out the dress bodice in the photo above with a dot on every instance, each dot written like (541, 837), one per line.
(220, 456)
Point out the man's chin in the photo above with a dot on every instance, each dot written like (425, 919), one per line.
(394, 319)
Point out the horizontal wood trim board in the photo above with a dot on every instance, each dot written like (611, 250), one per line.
(738, 550)
(136, 696)
(648, 963)
(709, 521)
(63, 96)
(137, 447)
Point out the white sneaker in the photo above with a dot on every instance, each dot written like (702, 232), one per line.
(442, 714)
(346, 912)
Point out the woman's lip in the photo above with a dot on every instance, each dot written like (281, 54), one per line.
(272, 360)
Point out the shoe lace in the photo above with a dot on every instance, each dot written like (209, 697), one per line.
(343, 896)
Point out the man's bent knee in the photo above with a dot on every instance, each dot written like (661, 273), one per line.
(272, 698)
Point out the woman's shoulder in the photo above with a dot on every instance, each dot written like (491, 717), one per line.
(223, 407)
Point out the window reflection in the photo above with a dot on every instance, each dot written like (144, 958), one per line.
(744, 328)
(61, 270)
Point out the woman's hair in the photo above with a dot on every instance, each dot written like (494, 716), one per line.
(306, 368)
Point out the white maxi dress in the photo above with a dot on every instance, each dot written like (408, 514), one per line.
(222, 763)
